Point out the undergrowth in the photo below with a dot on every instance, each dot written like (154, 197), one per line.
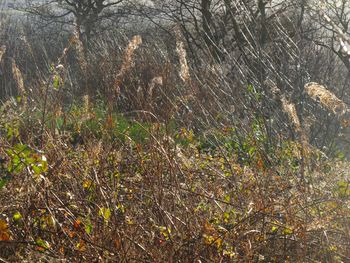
(148, 154)
(95, 187)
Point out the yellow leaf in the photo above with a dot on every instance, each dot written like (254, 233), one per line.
(17, 216)
(105, 213)
(87, 184)
(81, 246)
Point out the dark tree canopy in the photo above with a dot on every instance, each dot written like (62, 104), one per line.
(85, 14)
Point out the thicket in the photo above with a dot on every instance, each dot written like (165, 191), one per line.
(134, 149)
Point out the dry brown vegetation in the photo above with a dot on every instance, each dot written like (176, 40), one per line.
(161, 201)
(137, 149)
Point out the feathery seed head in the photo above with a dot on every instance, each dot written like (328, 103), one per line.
(181, 51)
(328, 99)
(18, 78)
(2, 52)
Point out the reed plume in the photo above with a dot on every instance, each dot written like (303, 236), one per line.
(2, 52)
(28, 46)
(181, 51)
(290, 109)
(127, 64)
(328, 100)
(128, 61)
(86, 103)
(18, 78)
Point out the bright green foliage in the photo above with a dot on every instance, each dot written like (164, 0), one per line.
(22, 156)
(17, 216)
(3, 182)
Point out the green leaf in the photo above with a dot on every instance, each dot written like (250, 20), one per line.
(287, 231)
(37, 170)
(22, 148)
(226, 217)
(88, 226)
(341, 155)
(105, 213)
(29, 160)
(17, 216)
(274, 229)
(250, 88)
(42, 244)
(56, 82)
(3, 182)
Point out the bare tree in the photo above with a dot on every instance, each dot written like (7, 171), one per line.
(333, 17)
(84, 14)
